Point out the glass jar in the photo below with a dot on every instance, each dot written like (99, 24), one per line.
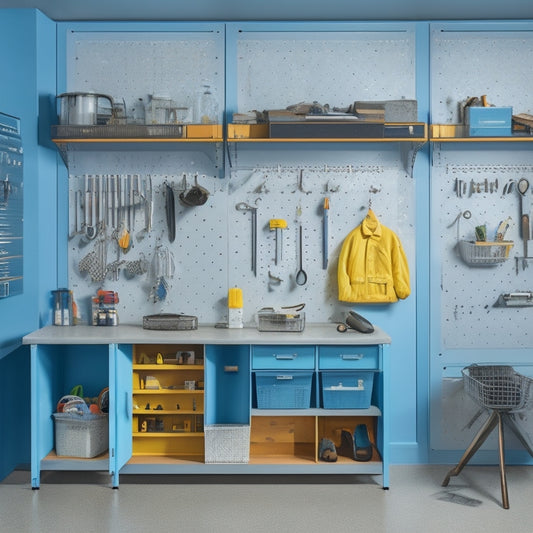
(207, 107)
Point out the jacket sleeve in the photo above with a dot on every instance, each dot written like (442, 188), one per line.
(343, 272)
(400, 270)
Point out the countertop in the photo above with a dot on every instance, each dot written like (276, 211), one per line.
(133, 334)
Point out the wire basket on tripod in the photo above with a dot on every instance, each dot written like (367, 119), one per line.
(497, 387)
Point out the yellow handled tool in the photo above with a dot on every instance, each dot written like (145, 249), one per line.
(278, 225)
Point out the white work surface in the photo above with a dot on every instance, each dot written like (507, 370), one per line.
(129, 334)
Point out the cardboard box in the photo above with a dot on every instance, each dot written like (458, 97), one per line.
(247, 131)
(488, 121)
(447, 131)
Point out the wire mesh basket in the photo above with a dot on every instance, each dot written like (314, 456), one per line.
(484, 253)
(497, 387)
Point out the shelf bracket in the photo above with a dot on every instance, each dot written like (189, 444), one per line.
(409, 151)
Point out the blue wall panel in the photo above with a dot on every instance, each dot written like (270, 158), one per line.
(27, 55)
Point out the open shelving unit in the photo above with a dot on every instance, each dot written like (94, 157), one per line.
(167, 417)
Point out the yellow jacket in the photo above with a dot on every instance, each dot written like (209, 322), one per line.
(372, 265)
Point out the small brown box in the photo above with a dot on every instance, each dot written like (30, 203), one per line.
(247, 131)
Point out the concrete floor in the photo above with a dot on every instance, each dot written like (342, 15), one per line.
(416, 503)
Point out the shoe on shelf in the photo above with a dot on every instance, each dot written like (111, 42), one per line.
(362, 445)
(158, 408)
(327, 451)
(147, 405)
(346, 449)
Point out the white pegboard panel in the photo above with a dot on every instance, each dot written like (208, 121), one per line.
(473, 63)
(132, 65)
(469, 318)
(275, 70)
(212, 250)
(295, 191)
(198, 253)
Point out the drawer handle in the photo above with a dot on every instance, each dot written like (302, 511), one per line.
(283, 378)
(351, 356)
(285, 356)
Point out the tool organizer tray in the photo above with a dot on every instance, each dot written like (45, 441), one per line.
(115, 131)
(480, 253)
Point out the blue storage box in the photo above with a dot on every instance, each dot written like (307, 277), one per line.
(283, 390)
(347, 390)
(489, 121)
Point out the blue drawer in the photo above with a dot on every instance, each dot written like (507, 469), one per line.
(344, 357)
(283, 357)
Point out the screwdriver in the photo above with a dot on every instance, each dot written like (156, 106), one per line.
(278, 225)
(325, 234)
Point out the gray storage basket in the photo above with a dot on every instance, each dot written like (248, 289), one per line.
(84, 436)
(227, 443)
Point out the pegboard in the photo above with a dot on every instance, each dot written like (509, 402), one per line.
(129, 66)
(470, 317)
(212, 249)
(468, 62)
(294, 190)
(473, 63)
(275, 70)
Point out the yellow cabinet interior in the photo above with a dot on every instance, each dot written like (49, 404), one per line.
(168, 402)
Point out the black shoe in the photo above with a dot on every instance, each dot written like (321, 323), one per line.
(346, 448)
(362, 444)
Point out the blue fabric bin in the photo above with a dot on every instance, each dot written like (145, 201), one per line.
(283, 390)
(347, 390)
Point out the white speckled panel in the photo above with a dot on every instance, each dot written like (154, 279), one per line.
(467, 63)
(276, 70)
(468, 293)
(295, 192)
(132, 65)
(212, 247)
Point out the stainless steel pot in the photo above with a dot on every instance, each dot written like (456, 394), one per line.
(84, 109)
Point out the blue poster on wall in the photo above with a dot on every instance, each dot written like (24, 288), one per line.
(11, 207)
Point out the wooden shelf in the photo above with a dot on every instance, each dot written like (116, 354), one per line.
(258, 133)
(176, 434)
(167, 391)
(167, 367)
(371, 411)
(456, 133)
(164, 459)
(142, 412)
(135, 140)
